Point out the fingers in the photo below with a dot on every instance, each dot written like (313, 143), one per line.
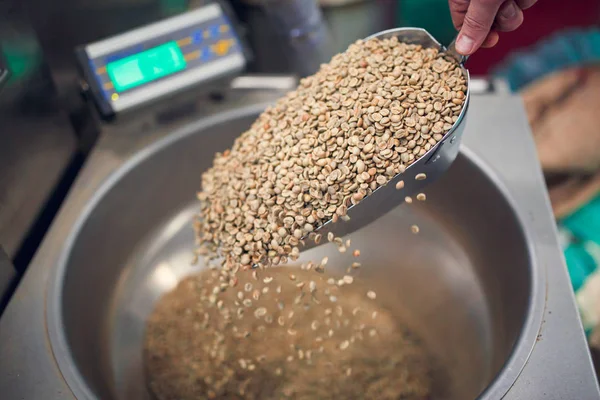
(509, 17)
(475, 19)
(476, 25)
(491, 40)
(458, 10)
(525, 4)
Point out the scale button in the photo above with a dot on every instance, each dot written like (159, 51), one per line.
(185, 41)
(215, 31)
(222, 47)
(197, 37)
(192, 56)
(206, 55)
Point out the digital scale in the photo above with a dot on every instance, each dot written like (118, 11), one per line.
(152, 62)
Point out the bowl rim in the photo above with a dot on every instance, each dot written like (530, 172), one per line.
(496, 389)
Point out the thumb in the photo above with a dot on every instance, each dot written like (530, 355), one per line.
(477, 25)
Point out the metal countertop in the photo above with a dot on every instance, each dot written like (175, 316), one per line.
(497, 132)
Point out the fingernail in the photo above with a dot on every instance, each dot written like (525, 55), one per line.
(509, 11)
(464, 44)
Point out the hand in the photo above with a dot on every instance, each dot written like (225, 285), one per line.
(479, 21)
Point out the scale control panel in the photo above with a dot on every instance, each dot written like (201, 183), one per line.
(151, 62)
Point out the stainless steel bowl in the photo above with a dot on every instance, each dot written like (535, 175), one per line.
(466, 290)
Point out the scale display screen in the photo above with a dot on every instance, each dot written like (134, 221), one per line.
(146, 66)
(151, 62)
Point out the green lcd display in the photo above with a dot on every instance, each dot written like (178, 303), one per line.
(144, 67)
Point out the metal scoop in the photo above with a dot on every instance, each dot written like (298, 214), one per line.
(431, 165)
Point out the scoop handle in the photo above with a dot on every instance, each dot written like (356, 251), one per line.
(451, 50)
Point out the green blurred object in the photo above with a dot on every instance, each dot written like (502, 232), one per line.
(432, 15)
(22, 57)
(582, 255)
(171, 7)
(585, 222)
(580, 264)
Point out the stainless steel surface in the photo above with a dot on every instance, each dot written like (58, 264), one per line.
(433, 164)
(559, 367)
(480, 283)
(271, 82)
